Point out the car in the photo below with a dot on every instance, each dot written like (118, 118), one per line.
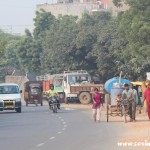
(10, 97)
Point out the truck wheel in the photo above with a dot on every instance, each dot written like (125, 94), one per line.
(85, 97)
(18, 110)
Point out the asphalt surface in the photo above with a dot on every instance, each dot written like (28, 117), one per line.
(37, 128)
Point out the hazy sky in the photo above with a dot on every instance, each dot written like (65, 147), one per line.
(16, 15)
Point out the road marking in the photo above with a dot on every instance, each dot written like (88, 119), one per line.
(58, 132)
(52, 138)
(69, 108)
(64, 122)
(40, 144)
(64, 129)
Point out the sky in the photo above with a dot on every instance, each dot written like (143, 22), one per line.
(17, 15)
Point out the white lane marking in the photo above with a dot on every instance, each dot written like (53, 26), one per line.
(64, 129)
(58, 132)
(52, 138)
(68, 108)
(40, 144)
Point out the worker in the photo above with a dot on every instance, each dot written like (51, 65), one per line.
(128, 94)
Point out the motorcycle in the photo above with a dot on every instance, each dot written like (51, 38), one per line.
(53, 104)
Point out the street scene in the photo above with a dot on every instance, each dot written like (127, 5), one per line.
(75, 74)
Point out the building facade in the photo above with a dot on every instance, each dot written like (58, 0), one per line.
(78, 7)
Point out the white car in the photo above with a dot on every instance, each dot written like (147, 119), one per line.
(10, 97)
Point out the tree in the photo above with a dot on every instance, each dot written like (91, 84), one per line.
(28, 53)
(43, 22)
(135, 29)
(59, 46)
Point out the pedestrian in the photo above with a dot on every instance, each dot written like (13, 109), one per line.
(96, 105)
(147, 98)
(127, 94)
(134, 101)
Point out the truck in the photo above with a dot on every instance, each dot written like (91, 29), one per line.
(33, 93)
(10, 97)
(56, 80)
(78, 85)
(72, 85)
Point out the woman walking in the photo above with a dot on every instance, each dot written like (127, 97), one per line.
(147, 98)
(96, 105)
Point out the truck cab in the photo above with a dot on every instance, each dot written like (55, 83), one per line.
(74, 79)
(10, 97)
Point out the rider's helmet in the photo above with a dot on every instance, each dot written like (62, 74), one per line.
(52, 86)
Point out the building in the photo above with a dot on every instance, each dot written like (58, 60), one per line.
(78, 7)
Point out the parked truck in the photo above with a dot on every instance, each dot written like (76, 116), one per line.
(33, 92)
(78, 85)
(71, 85)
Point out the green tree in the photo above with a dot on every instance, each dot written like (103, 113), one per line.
(28, 53)
(135, 29)
(43, 22)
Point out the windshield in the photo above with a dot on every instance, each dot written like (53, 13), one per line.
(82, 78)
(58, 82)
(35, 90)
(9, 89)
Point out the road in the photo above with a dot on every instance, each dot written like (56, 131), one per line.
(37, 128)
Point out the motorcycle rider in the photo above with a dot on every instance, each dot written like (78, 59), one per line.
(51, 93)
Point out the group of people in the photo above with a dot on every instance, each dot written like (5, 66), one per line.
(129, 94)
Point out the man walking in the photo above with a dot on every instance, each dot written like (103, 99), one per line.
(127, 94)
(134, 101)
(147, 98)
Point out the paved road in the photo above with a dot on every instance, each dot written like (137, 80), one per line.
(37, 128)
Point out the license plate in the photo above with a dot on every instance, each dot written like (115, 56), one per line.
(8, 101)
(9, 106)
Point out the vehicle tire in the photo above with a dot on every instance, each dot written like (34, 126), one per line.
(107, 100)
(55, 108)
(26, 103)
(18, 110)
(85, 98)
(36, 103)
(62, 97)
(124, 114)
(42, 103)
(66, 100)
(107, 107)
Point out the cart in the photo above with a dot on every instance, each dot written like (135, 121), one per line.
(120, 109)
